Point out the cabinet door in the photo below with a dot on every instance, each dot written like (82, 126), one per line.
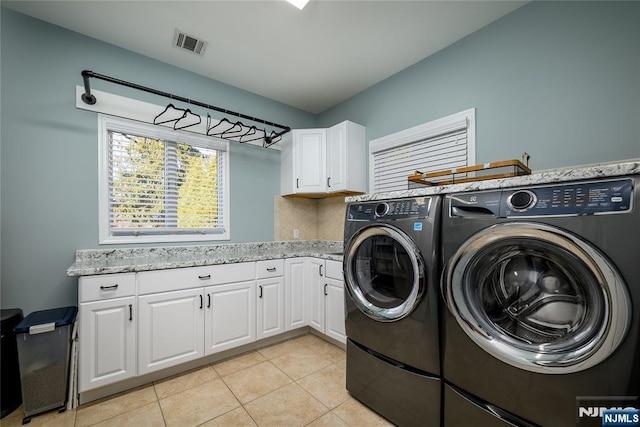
(296, 296)
(171, 326)
(334, 310)
(310, 161)
(270, 307)
(107, 342)
(337, 158)
(230, 316)
(315, 285)
(346, 158)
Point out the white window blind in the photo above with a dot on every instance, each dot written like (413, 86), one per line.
(443, 144)
(162, 185)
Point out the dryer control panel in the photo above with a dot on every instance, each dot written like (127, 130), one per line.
(579, 198)
(584, 198)
(417, 207)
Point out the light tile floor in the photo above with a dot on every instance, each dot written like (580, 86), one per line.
(299, 382)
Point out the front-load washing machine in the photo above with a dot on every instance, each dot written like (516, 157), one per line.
(392, 280)
(542, 294)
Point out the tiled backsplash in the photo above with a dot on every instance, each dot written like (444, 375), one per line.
(315, 219)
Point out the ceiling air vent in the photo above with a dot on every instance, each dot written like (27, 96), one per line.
(190, 43)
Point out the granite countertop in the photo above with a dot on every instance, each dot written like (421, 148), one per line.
(91, 262)
(577, 173)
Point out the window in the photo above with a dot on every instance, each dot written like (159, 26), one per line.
(160, 185)
(445, 143)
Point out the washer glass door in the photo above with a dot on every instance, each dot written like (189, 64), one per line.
(537, 297)
(384, 273)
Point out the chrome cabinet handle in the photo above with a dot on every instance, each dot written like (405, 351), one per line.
(130, 312)
(325, 290)
(207, 277)
(260, 296)
(109, 288)
(321, 270)
(297, 182)
(208, 300)
(201, 301)
(329, 182)
(271, 269)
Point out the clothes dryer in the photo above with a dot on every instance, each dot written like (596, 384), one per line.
(542, 290)
(392, 280)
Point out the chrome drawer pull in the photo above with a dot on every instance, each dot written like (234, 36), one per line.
(271, 269)
(207, 277)
(109, 288)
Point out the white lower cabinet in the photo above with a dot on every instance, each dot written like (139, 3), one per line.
(270, 307)
(171, 326)
(334, 310)
(107, 322)
(296, 294)
(315, 284)
(136, 323)
(107, 342)
(327, 298)
(230, 316)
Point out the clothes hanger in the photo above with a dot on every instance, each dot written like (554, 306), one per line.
(166, 109)
(231, 130)
(252, 131)
(271, 139)
(209, 129)
(186, 114)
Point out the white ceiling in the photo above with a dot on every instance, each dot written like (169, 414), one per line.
(311, 59)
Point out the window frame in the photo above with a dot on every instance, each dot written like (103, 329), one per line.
(106, 123)
(442, 126)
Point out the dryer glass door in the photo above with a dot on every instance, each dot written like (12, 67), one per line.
(537, 297)
(384, 273)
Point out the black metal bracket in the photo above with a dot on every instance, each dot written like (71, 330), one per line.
(269, 139)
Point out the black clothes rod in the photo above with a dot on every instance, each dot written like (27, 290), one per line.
(90, 99)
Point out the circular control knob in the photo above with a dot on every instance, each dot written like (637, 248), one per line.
(522, 200)
(382, 209)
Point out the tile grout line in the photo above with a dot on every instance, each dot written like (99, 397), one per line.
(155, 391)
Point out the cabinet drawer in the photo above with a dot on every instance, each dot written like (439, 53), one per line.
(334, 269)
(192, 277)
(106, 286)
(269, 268)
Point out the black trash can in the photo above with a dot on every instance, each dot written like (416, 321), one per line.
(10, 393)
(44, 352)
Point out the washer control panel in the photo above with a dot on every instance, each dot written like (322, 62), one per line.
(417, 207)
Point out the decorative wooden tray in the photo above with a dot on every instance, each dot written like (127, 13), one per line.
(494, 170)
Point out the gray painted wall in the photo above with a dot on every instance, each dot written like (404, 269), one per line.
(49, 154)
(560, 80)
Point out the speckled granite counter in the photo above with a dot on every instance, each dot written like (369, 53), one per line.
(577, 173)
(90, 262)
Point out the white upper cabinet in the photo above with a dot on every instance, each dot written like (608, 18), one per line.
(319, 163)
(310, 160)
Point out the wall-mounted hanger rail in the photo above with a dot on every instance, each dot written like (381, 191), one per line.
(184, 118)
